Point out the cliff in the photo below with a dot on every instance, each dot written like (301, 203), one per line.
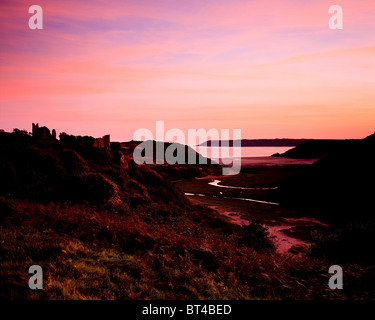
(316, 148)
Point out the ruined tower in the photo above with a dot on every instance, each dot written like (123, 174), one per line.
(42, 133)
(103, 143)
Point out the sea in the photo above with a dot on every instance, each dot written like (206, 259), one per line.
(250, 157)
(242, 152)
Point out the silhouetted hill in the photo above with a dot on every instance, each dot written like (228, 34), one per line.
(314, 149)
(260, 142)
(181, 152)
(74, 170)
(338, 187)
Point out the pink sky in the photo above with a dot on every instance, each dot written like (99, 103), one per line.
(273, 69)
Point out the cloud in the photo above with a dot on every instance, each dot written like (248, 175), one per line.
(232, 61)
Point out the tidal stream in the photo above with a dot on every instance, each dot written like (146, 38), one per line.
(282, 241)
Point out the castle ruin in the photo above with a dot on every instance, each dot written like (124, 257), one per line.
(42, 133)
(103, 143)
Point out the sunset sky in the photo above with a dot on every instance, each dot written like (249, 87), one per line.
(273, 69)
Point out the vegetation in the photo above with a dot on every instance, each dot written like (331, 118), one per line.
(352, 242)
(102, 231)
(257, 236)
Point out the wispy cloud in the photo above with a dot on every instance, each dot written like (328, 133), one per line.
(255, 65)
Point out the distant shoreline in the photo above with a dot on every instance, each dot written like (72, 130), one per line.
(282, 142)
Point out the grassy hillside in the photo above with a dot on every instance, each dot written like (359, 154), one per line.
(339, 189)
(103, 231)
